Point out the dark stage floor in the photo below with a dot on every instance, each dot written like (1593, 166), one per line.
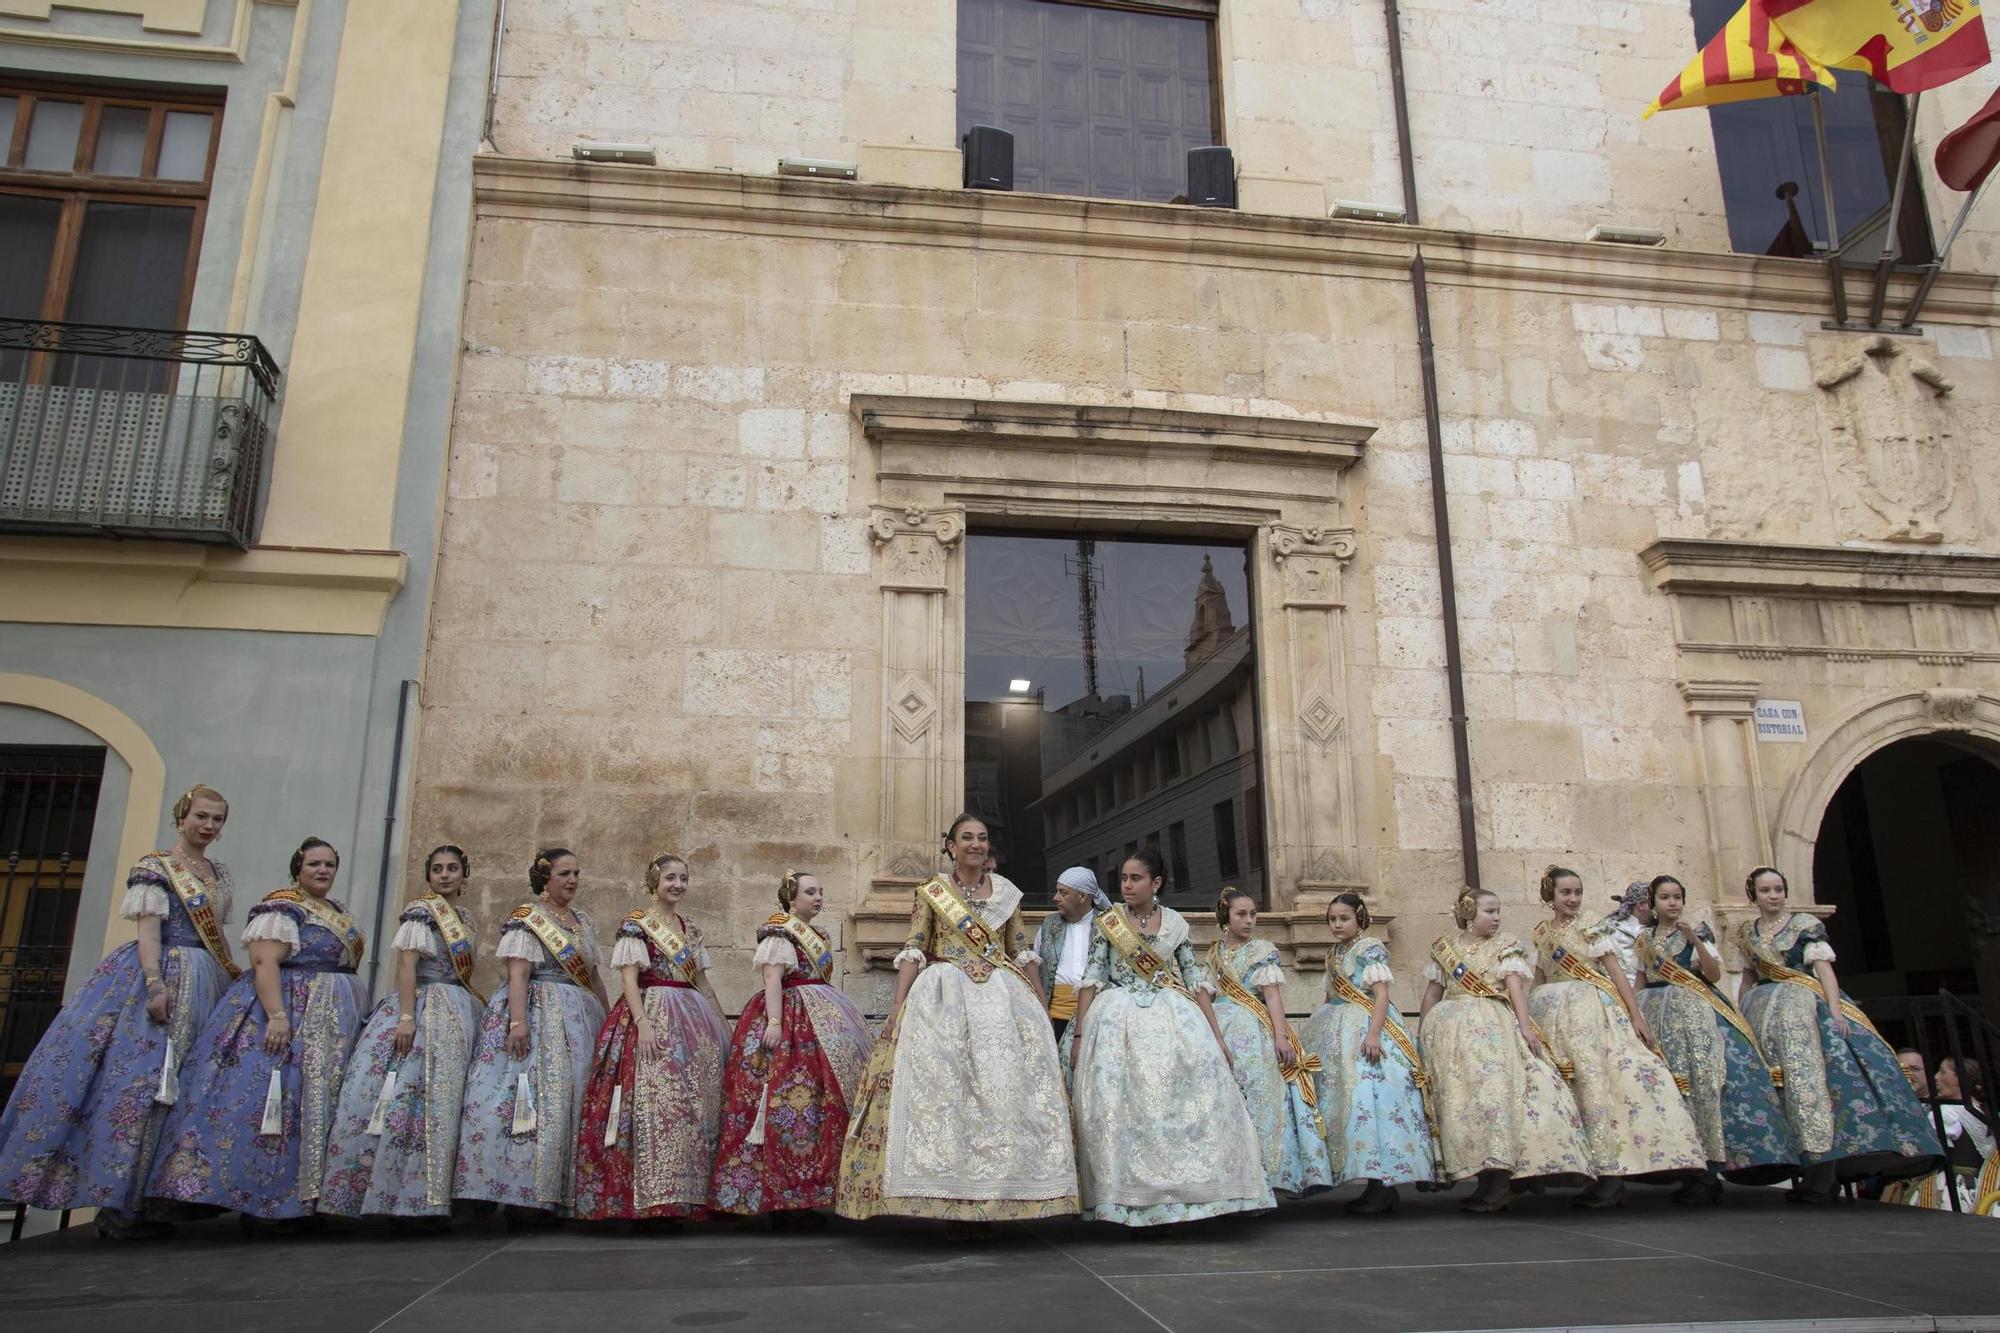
(1754, 1263)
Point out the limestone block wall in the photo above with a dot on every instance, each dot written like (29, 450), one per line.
(658, 614)
(1524, 113)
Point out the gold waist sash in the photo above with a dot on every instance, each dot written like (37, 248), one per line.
(1299, 1070)
(1062, 1001)
(1477, 986)
(1676, 975)
(1346, 990)
(1577, 970)
(1772, 971)
(958, 916)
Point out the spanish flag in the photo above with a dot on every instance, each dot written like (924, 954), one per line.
(1749, 58)
(1906, 46)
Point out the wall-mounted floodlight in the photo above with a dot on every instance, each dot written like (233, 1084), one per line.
(1019, 685)
(1626, 235)
(590, 150)
(824, 168)
(1353, 211)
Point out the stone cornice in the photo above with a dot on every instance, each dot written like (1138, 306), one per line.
(893, 214)
(1717, 567)
(957, 422)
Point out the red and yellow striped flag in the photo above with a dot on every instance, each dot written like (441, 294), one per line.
(1904, 45)
(1748, 59)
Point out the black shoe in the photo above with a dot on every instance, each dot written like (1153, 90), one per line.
(1707, 1190)
(1604, 1194)
(1376, 1200)
(1817, 1198)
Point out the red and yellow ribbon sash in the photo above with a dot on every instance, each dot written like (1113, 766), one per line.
(679, 953)
(195, 901)
(1674, 974)
(560, 944)
(1116, 926)
(957, 915)
(327, 917)
(1772, 968)
(457, 936)
(1346, 990)
(812, 945)
(1299, 1070)
(1469, 981)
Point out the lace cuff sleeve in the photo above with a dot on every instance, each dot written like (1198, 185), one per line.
(517, 941)
(271, 923)
(1377, 974)
(774, 951)
(1514, 965)
(1433, 974)
(1819, 951)
(143, 898)
(630, 952)
(414, 937)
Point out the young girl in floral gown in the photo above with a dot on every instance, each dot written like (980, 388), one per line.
(1371, 1076)
(1275, 1075)
(395, 1131)
(1635, 1125)
(652, 1106)
(517, 1125)
(1504, 1114)
(794, 1067)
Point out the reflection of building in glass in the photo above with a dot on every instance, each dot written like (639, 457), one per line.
(1178, 769)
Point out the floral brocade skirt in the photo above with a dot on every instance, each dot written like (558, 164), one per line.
(645, 1142)
(1376, 1128)
(1498, 1107)
(530, 1168)
(404, 1169)
(1162, 1131)
(1846, 1097)
(1737, 1113)
(961, 1114)
(82, 1126)
(1634, 1121)
(1289, 1133)
(785, 1105)
(213, 1152)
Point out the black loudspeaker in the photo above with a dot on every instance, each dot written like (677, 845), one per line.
(1211, 178)
(989, 158)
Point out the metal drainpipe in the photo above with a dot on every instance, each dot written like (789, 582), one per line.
(375, 950)
(1454, 661)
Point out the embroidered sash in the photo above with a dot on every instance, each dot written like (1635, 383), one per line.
(458, 942)
(1116, 926)
(1576, 969)
(560, 944)
(1299, 1070)
(812, 945)
(959, 916)
(1343, 989)
(667, 940)
(1469, 981)
(188, 887)
(1771, 969)
(328, 917)
(1674, 974)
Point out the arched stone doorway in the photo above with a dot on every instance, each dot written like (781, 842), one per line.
(1895, 823)
(1908, 855)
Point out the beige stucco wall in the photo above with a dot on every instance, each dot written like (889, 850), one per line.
(659, 617)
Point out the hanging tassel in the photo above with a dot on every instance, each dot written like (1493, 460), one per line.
(524, 1106)
(756, 1139)
(611, 1121)
(274, 1107)
(169, 1090)
(378, 1122)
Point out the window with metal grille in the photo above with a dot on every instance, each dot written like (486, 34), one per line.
(1102, 101)
(48, 804)
(102, 198)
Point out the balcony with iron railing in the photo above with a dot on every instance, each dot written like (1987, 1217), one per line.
(143, 433)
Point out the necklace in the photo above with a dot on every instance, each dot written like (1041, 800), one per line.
(1150, 913)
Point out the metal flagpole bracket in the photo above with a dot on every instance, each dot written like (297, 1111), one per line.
(1890, 232)
(1908, 324)
(1832, 220)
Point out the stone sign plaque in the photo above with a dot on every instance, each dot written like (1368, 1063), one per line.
(1781, 720)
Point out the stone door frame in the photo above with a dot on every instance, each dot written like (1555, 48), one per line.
(944, 466)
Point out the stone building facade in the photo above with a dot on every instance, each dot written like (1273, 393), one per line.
(721, 434)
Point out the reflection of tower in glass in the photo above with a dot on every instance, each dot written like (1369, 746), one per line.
(1212, 623)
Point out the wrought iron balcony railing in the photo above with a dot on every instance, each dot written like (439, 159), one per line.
(132, 432)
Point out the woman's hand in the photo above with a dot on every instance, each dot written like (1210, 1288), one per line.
(159, 1001)
(517, 1039)
(1534, 1043)
(1644, 1031)
(1371, 1048)
(277, 1034)
(1287, 1054)
(1840, 1025)
(889, 1024)
(406, 1036)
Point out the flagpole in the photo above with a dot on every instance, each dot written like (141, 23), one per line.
(1916, 306)
(1832, 222)
(1881, 295)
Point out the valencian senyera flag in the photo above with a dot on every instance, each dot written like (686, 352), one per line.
(1904, 45)
(1749, 58)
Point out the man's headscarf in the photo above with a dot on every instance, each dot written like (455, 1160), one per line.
(1084, 881)
(1628, 901)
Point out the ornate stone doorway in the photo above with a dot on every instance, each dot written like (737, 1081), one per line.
(1908, 858)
